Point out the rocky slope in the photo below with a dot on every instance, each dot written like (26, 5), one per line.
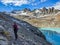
(27, 34)
(50, 20)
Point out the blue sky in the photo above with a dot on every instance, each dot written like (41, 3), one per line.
(9, 5)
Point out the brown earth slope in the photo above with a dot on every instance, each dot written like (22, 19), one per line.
(46, 21)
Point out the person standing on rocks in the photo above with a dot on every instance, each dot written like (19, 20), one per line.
(15, 28)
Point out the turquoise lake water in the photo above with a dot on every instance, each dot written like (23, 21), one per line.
(52, 29)
(55, 38)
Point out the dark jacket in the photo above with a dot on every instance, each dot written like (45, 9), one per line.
(15, 27)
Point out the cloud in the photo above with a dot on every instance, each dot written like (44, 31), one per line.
(21, 2)
(43, 0)
(57, 5)
(15, 2)
(37, 3)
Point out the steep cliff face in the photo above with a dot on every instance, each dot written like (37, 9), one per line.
(27, 34)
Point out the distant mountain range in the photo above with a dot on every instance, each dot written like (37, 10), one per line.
(36, 12)
(38, 19)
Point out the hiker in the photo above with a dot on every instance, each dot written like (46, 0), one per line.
(15, 28)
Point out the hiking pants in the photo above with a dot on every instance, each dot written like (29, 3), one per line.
(15, 33)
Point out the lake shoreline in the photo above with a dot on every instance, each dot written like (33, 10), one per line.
(52, 29)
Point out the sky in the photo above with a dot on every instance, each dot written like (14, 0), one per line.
(9, 5)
